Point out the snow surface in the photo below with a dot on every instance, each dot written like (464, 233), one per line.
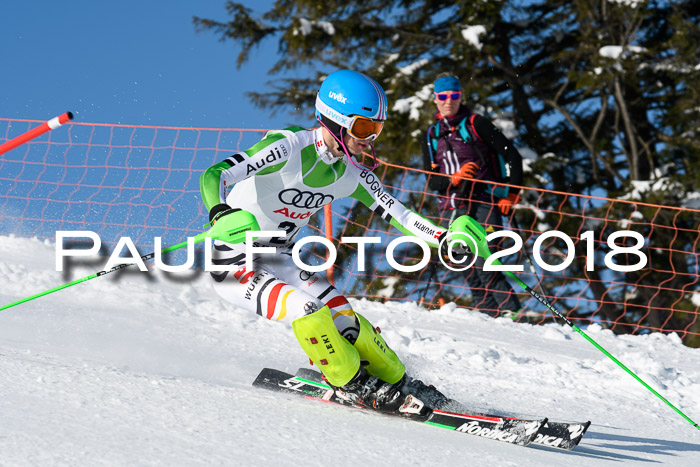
(142, 368)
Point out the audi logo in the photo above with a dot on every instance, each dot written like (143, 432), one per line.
(305, 275)
(304, 199)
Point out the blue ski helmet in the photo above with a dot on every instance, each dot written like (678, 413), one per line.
(345, 94)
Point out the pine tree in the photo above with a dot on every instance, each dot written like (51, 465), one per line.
(604, 91)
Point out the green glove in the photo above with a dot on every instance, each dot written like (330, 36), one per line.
(469, 231)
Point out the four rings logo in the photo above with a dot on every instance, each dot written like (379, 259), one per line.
(304, 199)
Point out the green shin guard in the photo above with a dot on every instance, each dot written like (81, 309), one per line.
(323, 344)
(383, 362)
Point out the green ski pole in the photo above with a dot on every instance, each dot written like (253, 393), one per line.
(469, 226)
(514, 224)
(433, 265)
(231, 228)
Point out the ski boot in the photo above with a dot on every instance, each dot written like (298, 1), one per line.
(332, 353)
(366, 372)
(379, 360)
(430, 396)
(377, 357)
(369, 391)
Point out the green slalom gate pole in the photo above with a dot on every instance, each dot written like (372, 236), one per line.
(231, 228)
(476, 235)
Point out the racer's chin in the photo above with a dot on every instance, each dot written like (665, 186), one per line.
(356, 147)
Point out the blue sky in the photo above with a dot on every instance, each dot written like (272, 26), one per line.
(129, 62)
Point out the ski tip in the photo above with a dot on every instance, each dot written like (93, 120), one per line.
(264, 376)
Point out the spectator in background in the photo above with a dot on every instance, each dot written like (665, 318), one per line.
(469, 148)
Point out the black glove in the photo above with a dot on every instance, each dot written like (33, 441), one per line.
(220, 210)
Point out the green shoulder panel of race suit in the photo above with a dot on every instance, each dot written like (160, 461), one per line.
(275, 153)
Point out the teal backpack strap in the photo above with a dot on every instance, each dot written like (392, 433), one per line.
(432, 142)
(433, 133)
(464, 132)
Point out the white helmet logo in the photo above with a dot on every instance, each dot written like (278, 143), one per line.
(339, 97)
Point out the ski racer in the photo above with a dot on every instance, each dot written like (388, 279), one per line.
(283, 180)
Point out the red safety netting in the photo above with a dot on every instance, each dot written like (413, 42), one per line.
(116, 180)
(143, 182)
(661, 296)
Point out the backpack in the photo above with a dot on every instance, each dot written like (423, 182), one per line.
(470, 136)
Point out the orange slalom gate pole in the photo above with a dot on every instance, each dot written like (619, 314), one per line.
(328, 222)
(33, 133)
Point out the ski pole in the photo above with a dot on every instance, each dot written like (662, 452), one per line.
(515, 225)
(231, 228)
(433, 265)
(33, 133)
(469, 226)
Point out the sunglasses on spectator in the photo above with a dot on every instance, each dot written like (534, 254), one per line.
(452, 95)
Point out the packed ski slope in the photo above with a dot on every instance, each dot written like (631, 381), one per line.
(140, 369)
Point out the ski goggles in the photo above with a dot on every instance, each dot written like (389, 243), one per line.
(364, 128)
(455, 96)
(360, 165)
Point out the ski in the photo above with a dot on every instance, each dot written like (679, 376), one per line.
(560, 435)
(510, 430)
